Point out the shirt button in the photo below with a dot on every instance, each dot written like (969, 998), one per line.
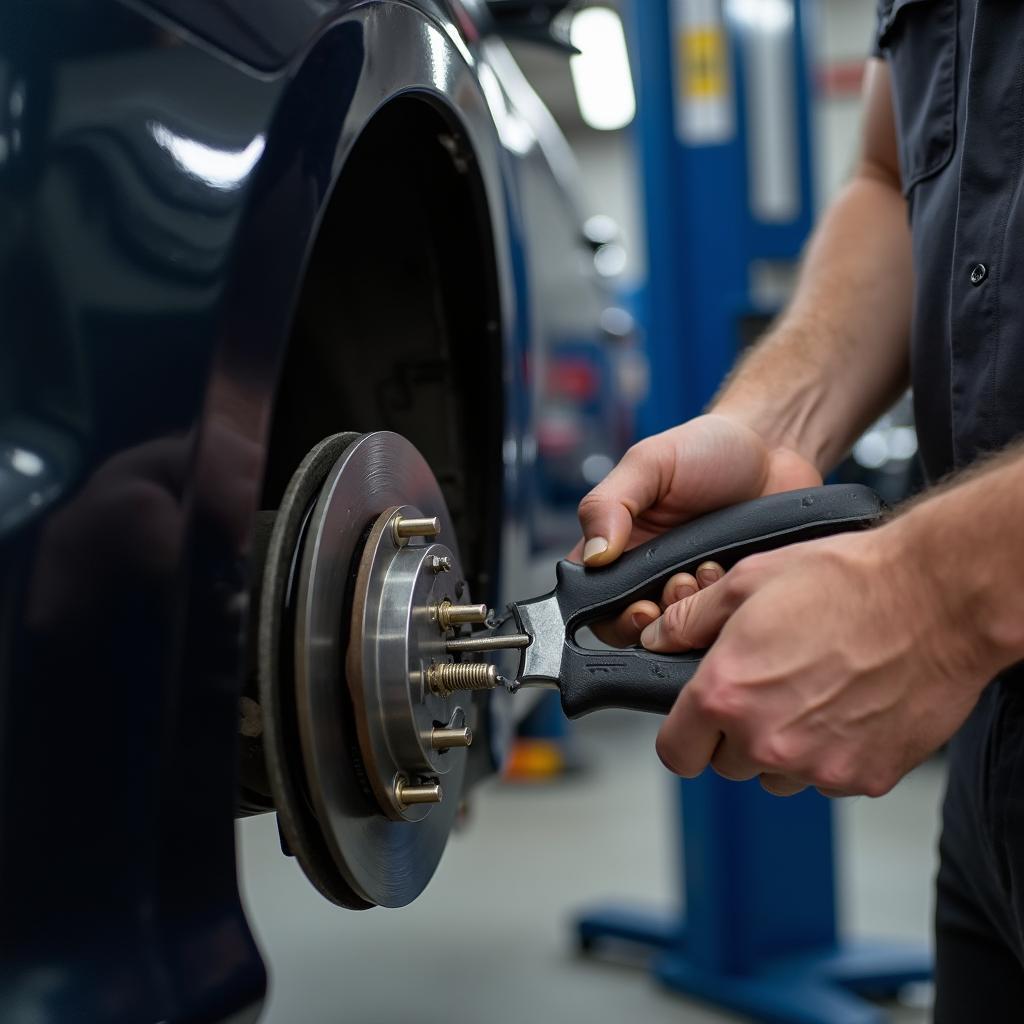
(978, 273)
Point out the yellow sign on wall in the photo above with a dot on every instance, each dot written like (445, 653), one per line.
(703, 73)
(702, 61)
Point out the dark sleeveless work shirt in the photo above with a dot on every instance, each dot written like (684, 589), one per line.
(957, 69)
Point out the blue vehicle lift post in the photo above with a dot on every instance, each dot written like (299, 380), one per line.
(759, 935)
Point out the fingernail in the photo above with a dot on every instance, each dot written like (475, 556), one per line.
(594, 547)
(650, 636)
(640, 620)
(708, 574)
(663, 757)
(685, 590)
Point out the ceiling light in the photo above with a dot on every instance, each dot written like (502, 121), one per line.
(600, 71)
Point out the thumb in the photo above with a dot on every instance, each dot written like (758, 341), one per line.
(607, 512)
(789, 471)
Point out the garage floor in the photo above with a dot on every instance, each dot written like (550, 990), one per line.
(491, 939)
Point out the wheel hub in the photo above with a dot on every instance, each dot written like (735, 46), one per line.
(409, 734)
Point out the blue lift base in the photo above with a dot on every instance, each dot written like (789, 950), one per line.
(826, 986)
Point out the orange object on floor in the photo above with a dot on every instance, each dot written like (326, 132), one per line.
(534, 760)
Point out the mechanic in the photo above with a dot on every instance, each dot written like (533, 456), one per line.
(842, 663)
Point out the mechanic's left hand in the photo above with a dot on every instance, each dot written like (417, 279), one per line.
(838, 663)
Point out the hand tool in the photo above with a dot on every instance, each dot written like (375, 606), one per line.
(634, 678)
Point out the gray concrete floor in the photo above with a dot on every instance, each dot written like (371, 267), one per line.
(491, 938)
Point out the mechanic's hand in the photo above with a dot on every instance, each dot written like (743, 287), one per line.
(836, 663)
(705, 464)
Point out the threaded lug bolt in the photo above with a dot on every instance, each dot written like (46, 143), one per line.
(452, 676)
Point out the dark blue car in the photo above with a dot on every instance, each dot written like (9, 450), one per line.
(275, 287)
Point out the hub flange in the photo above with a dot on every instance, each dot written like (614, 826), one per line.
(396, 641)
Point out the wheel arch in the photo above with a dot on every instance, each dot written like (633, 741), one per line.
(398, 324)
(378, 178)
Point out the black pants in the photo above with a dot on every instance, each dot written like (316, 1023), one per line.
(979, 914)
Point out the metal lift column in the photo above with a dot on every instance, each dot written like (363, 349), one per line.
(725, 149)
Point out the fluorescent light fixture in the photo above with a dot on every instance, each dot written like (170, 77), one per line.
(768, 16)
(600, 72)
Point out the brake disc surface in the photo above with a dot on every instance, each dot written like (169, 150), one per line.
(386, 852)
(301, 833)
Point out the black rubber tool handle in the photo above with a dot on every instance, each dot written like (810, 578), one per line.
(642, 681)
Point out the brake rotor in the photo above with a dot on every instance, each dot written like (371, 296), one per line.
(366, 721)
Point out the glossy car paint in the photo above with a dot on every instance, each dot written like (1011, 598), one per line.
(164, 169)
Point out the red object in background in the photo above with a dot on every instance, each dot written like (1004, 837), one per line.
(466, 23)
(841, 80)
(573, 378)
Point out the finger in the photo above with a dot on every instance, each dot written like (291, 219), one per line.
(833, 794)
(688, 738)
(678, 588)
(708, 573)
(781, 785)
(607, 512)
(692, 622)
(731, 763)
(625, 629)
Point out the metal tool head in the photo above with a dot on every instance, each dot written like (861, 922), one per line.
(541, 620)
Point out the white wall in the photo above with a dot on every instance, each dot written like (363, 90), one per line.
(844, 32)
(611, 185)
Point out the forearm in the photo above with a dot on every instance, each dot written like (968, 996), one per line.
(838, 358)
(839, 355)
(965, 541)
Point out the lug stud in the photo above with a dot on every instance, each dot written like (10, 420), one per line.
(451, 676)
(407, 795)
(448, 739)
(449, 614)
(403, 529)
(507, 642)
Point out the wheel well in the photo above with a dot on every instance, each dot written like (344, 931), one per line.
(398, 323)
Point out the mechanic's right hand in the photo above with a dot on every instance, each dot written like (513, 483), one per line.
(706, 463)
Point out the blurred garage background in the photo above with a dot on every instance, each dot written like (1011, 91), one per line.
(586, 815)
